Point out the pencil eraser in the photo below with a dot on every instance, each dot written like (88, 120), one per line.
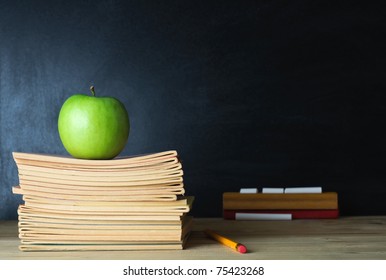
(241, 249)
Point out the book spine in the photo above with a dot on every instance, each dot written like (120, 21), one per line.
(262, 216)
(280, 201)
(296, 214)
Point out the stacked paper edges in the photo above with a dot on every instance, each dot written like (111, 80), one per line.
(128, 203)
(283, 206)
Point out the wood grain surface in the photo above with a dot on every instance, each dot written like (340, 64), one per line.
(358, 238)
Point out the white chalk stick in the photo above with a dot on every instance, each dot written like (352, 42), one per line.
(249, 190)
(303, 190)
(273, 190)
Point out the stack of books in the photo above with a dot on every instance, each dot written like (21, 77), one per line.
(127, 203)
(280, 205)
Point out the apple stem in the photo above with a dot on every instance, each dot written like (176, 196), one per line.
(92, 90)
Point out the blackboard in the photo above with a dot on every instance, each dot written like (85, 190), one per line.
(250, 93)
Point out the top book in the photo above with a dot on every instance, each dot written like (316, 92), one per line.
(38, 172)
(145, 160)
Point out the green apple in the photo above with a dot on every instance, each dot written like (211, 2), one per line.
(92, 127)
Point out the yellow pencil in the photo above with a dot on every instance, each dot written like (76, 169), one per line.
(226, 241)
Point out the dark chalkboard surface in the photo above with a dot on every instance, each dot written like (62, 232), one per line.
(250, 93)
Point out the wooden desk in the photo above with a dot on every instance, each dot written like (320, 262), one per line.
(344, 238)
